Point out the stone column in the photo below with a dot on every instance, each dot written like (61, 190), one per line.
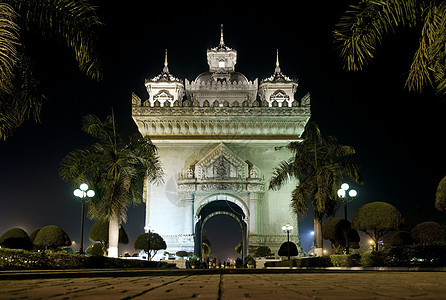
(253, 202)
(188, 203)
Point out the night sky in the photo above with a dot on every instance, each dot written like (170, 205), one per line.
(398, 135)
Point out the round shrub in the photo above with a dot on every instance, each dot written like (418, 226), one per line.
(51, 237)
(16, 238)
(428, 232)
(262, 251)
(400, 238)
(99, 233)
(95, 250)
(34, 233)
(283, 250)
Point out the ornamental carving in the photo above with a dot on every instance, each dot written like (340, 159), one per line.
(221, 170)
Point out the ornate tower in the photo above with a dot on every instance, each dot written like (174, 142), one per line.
(278, 90)
(219, 147)
(164, 89)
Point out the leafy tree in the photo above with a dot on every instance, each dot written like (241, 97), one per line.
(319, 165)
(363, 26)
(376, 219)
(99, 234)
(16, 238)
(53, 237)
(262, 251)
(339, 232)
(71, 21)
(440, 197)
(115, 168)
(283, 250)
(156, 243)
(428, 232)
(400, 238)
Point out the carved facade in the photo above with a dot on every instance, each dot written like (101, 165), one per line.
(219, 138)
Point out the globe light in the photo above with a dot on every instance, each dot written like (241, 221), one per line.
(84, 187)
(352, 193)
(345, 186)
(283, 228)
(90, 193)
(78, 193)
(341, 193)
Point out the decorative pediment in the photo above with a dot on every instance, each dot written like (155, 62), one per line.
(221, 163)
(221, 170)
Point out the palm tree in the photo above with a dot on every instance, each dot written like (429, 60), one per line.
(362, 28)
(319, 166)
(72, 21)
(115, 168)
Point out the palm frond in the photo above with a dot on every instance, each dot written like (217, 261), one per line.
(281, 175)
(9, 37)
(74, 21)
(361, 28)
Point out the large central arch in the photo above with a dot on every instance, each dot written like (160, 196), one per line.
(216, 206)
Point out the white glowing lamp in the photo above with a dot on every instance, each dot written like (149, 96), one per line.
(352, 193)
(345, 186)
(341, 193)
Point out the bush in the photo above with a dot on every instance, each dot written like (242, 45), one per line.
(182, 253)
(21, 259)
(51, 237)
(321, 261)
(283, 250)
(99, 233)
(262, 251)
(400, 238)
(345, 260)
(16, 238)
(95, 250)
(428, 232)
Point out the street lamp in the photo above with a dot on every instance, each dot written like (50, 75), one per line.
(83, 192)
(346, 198)
(342, 193)
(288, 228)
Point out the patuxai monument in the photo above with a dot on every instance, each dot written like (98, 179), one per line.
(220, 136)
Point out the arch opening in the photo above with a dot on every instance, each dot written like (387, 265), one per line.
(223, 223)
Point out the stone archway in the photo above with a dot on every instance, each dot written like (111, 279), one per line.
(218, 207)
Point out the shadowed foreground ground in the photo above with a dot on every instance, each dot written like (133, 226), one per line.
(226, 284)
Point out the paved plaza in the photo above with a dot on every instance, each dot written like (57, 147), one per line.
(217, 284)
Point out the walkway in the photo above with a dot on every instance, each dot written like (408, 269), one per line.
(229, 284)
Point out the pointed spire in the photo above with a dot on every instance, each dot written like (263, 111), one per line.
(222, 43)
(165, 69)
(277, 70)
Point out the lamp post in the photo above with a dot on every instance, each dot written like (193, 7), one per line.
(346, 198)
(288, 228)
(83, 192)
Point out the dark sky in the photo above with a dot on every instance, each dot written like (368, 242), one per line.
(397, 135)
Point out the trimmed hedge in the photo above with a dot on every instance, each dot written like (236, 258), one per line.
(20, 259)
(433, 255)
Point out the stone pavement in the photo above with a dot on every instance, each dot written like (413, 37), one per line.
(217, 284)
